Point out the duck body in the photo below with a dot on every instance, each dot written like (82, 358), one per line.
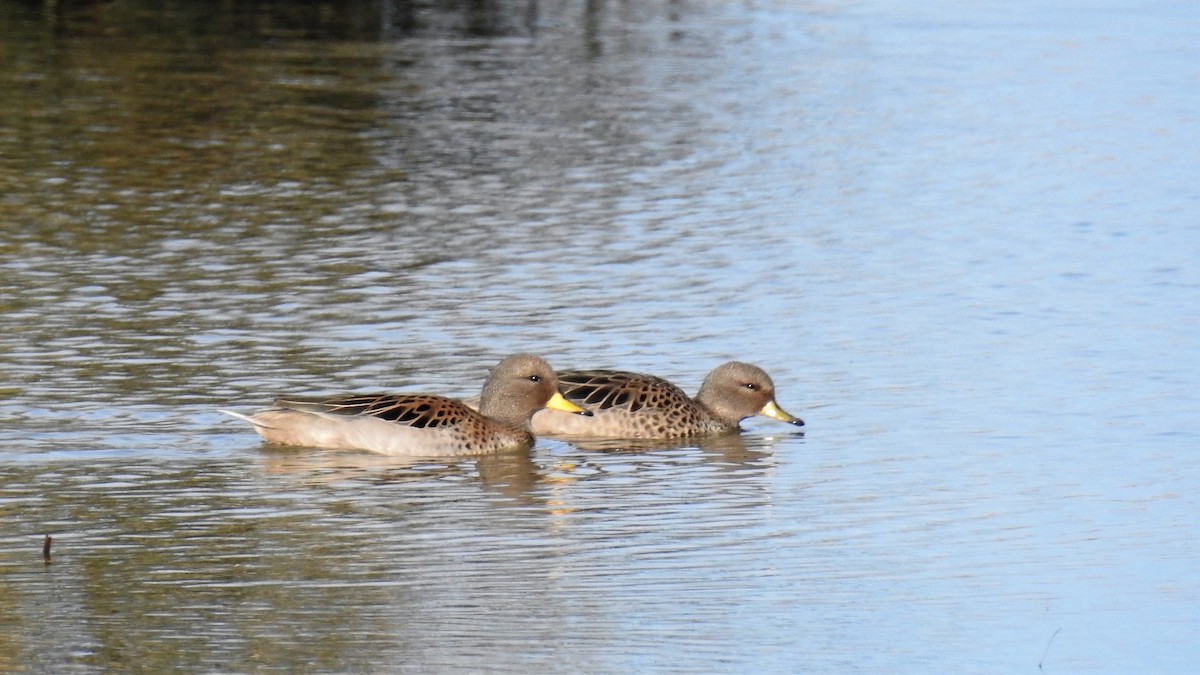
(419, 424)
(636, 405)
(389, 424)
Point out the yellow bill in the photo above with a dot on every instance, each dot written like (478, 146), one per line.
(558, 402)
(772, 410)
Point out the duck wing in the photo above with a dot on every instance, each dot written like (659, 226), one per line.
(620, 390)
(413, 410)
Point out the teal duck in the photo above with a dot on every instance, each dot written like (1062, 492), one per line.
(420, 424)
(635, 405)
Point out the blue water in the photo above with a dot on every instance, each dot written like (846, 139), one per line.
(961, 238)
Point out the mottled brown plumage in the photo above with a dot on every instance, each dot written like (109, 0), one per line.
(420, 424)
(635, 405)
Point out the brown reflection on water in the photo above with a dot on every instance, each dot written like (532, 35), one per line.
(512, 473)
(286, 558)
(126, 116)
(190, 187)
(152, 564)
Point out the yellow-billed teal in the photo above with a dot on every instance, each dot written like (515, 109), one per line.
(634, 405)
(420, 424)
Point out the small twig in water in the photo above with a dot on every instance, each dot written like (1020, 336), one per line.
(1047, 649)
(46, 549)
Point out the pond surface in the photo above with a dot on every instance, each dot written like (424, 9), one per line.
(961, 237)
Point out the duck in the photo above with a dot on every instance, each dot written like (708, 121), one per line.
(425, 425)
(626, 405)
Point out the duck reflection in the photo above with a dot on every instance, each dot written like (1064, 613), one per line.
(732, 449)
(521, 474)
(512, 473)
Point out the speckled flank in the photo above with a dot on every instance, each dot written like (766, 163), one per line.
(635, 405)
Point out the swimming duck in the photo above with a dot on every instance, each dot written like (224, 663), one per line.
(420, 424)
(635, 405)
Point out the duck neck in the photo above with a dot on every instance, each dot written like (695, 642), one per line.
(711, 402)
(502, 410)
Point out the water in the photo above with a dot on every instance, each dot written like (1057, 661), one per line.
(960, 237)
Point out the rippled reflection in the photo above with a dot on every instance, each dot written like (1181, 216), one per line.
(961, 238)
(325, 554)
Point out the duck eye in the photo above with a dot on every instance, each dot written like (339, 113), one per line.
(751, 386)
(535, 378)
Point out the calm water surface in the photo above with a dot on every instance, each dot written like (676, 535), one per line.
(962, 238)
